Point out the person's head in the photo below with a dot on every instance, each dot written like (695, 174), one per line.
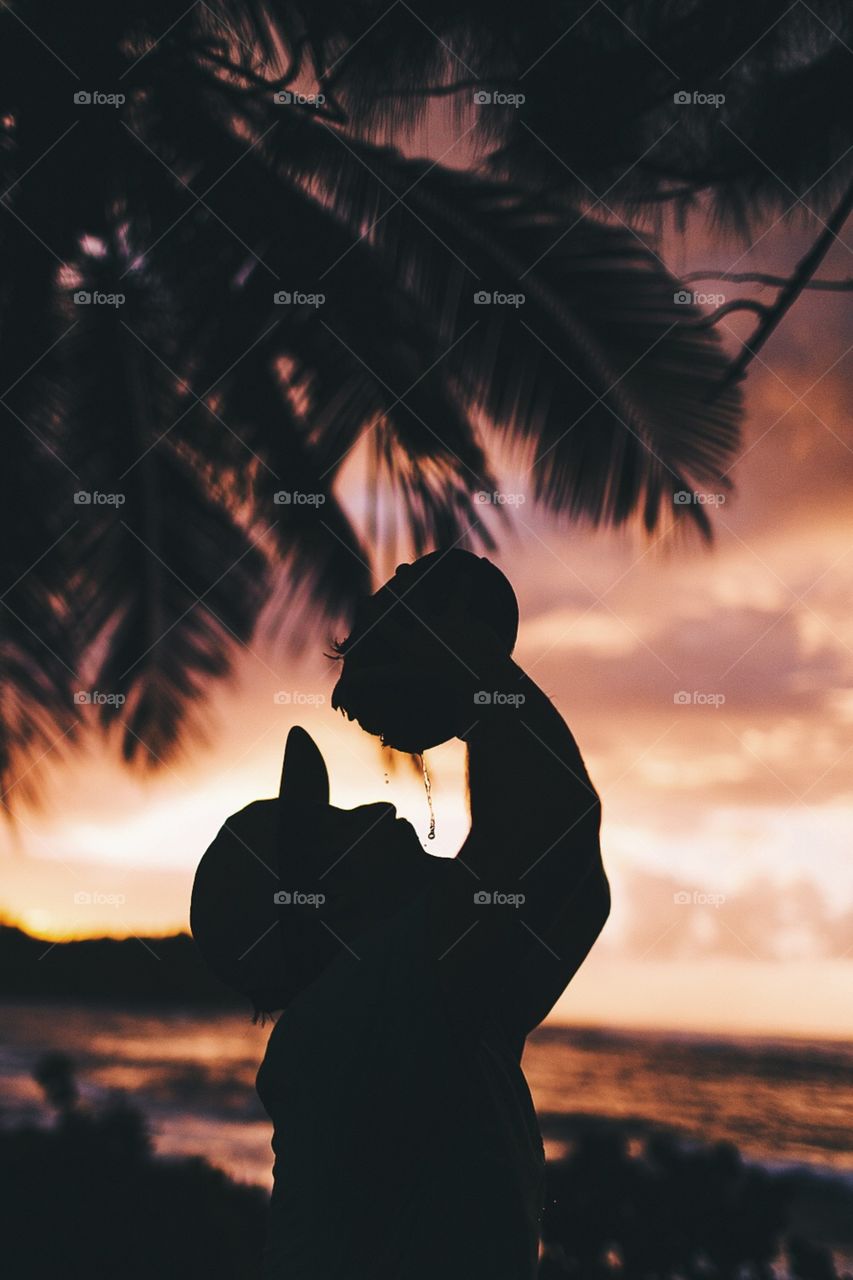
(288, 883)
(400, 673)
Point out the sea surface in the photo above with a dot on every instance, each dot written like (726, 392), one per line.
(784, 1103)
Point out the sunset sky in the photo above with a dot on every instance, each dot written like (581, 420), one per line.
(740, 798)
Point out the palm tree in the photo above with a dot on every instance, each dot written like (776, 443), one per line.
(218, 279)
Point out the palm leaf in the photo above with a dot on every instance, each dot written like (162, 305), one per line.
(599, 83)
(200, 399)
(610, 382)
(173, 581)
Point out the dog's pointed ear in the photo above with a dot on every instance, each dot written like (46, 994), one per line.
(304, 776)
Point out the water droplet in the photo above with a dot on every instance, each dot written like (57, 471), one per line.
(428, 789)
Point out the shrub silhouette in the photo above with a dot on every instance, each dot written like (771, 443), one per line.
(87, 1199)
(667, 1210)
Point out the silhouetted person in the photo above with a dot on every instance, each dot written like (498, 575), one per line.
(405, 1138)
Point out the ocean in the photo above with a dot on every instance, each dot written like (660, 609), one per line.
(784, 1103)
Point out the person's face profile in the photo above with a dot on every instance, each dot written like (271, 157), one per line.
(361, 860)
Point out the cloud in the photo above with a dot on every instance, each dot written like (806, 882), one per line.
(661, 917)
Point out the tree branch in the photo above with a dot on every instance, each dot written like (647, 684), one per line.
(792, 289)
(775, 282)
(738, 304)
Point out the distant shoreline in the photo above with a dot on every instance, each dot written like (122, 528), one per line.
(139, 971)
(163, 972)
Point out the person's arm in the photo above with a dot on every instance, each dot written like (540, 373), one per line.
(532, 856)
(513, 916)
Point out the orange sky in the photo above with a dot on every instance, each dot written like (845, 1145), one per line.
(748, 802)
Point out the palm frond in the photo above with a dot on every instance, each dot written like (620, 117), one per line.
(173, 581)
(601, 369)
(200, 399)
(599, 82)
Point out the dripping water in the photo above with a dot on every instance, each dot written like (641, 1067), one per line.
(428, 790)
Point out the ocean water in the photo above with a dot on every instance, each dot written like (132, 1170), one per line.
(784, 1103)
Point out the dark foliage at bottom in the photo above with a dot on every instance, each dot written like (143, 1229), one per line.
(87, 1199)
